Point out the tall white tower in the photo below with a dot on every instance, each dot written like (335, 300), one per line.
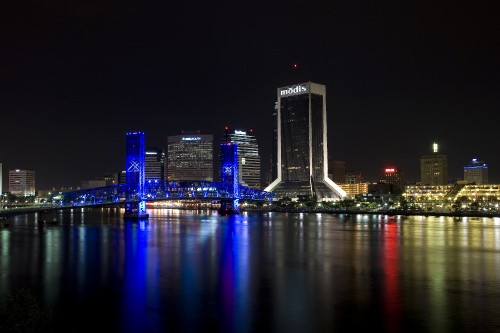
(302, 152)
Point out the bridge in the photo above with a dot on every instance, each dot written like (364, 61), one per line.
(137, 191)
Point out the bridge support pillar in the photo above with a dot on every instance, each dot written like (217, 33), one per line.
(229, 175)
(136, 210)
(135, 164)
(229, 207)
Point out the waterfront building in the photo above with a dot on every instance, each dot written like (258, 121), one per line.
(393, 176)
(353, 189)
(434, 168)
(476, 172)
(190, 157)
(155, 164)
(301, 150)
(22, 182)
(354, 184)
(461, 194)
(248, 157)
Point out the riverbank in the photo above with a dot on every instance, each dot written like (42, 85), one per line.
(382, 212)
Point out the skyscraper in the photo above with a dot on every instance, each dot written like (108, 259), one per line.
(302, 152)
(22, 182)
(155, 164)
(248, 157)
(190, 157)
(434, 168)
(394, 177)
(476, 172)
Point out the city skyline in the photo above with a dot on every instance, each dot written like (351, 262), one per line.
(78, 75)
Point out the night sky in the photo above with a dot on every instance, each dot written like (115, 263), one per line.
(77, 75)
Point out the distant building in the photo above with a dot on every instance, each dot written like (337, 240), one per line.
(111, 178)
(338, 171)
(190, 156)
(248, 156)
(476, 172)
(93, 183)
(393, 176)
(434, 168)
(354, 184)
(22, 182)
(155, 164)
(301, 150)
(122, 177)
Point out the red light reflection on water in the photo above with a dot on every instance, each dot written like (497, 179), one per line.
(392, 297)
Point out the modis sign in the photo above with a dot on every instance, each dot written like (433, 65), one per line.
(293, 90)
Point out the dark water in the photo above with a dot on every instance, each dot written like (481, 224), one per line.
(184, 271)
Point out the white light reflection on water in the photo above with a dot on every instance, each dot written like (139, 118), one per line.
(185, 271)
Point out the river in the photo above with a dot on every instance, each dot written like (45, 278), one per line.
(196, 271)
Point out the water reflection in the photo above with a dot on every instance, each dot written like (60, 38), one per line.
(192, 271)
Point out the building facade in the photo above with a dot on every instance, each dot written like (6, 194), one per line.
(434, 168)
(302, 152)
(394, 177)
(155, 164)
(248, 157)
(190, 156)
(22, 182)
(476, 172)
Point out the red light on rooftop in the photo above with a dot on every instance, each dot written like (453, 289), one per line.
(390, 170)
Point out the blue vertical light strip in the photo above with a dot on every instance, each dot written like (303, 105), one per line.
(134, 168)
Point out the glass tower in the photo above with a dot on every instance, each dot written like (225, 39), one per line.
(301, 150)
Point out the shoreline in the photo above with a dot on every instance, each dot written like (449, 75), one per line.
(384, 212)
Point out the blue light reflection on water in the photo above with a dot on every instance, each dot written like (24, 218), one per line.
(197, 271)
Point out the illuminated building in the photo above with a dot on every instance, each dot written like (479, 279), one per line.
(190, 157)
(155, 168)
(354, 184)
(353, 189)
(22, 182)
(426, 196)
(302, 152)
(476, 172)
(434, 168)
(393, 177)
(249, 158)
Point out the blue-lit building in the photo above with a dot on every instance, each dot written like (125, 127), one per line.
(476, 172)
(190, 156)
(301, 148)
